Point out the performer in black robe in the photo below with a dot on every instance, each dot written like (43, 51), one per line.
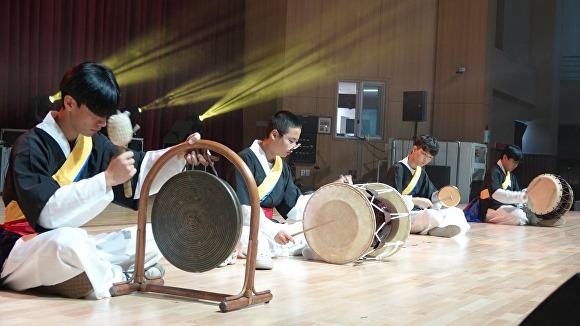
(63, 173)
(410, 179)
(276, 189)
(283, 196)
(502, 200)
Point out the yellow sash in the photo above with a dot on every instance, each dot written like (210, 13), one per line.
(507, 181)
(64, 176)
(12, 212)
(485, 192)
(413, 181)
(266, 187)
(75, 161)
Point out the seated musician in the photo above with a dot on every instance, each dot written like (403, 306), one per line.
(412, 181)
(276, 190)
(502, 200)
(62, 174)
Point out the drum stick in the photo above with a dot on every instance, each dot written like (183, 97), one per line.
(311, 228)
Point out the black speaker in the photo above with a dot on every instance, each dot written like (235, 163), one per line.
(8, 136)
(559, 308)
(415, 106)
(136, 144)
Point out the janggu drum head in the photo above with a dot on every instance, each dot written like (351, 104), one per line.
(348, 230)
(348, 217)
(549, 196)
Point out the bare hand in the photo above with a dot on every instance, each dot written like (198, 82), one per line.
(423, 203)
(344, 179)
(120, 169)
(283, 237)
(194, 157)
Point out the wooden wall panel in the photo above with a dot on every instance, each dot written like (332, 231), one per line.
(461, 41)
(464, 121)
(262, 43)
(461, 105)
(403, 43)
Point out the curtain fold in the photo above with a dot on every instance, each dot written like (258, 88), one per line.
(154, 47)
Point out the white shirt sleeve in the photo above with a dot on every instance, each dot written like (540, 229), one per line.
(171, 168)
(267, 227)
(296, 214)
(77, 203)
(510, 197)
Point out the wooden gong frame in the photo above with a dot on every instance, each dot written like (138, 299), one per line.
(138, 282)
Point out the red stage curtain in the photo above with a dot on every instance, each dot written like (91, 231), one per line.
(40, 40)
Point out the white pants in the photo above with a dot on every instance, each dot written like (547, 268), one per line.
(510, 215)
(58, 255)
(424, 220)
(266, 244)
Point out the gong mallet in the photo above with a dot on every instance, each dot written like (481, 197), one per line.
(120, 133)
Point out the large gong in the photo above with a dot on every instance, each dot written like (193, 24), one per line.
(196, 220)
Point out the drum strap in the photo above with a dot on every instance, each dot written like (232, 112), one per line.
(413, 181)
(485, 192)
(70, 171)
(266, 187)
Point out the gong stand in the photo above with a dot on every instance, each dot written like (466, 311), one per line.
(138, 282)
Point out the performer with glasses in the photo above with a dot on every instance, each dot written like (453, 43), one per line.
(411, 180)
(276, 189)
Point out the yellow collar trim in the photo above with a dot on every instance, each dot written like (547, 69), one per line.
(266, 187)
(507, 181)
(75, 162)
(413, 182)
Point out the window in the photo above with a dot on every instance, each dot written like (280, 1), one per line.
(360, 109)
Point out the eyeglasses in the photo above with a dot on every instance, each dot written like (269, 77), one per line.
(425, 154)
(295, 144)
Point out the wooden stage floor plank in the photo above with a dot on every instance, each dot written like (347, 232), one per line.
(495, 275)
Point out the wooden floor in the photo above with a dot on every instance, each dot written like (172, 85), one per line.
(496, 275)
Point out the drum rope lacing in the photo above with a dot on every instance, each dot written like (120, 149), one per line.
(374, 193)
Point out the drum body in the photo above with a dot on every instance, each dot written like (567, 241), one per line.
(549, 196)
(360, 221)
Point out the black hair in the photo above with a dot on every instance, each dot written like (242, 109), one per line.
(427, 143)
(513, 152)
(283, 121)
(94, 85)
